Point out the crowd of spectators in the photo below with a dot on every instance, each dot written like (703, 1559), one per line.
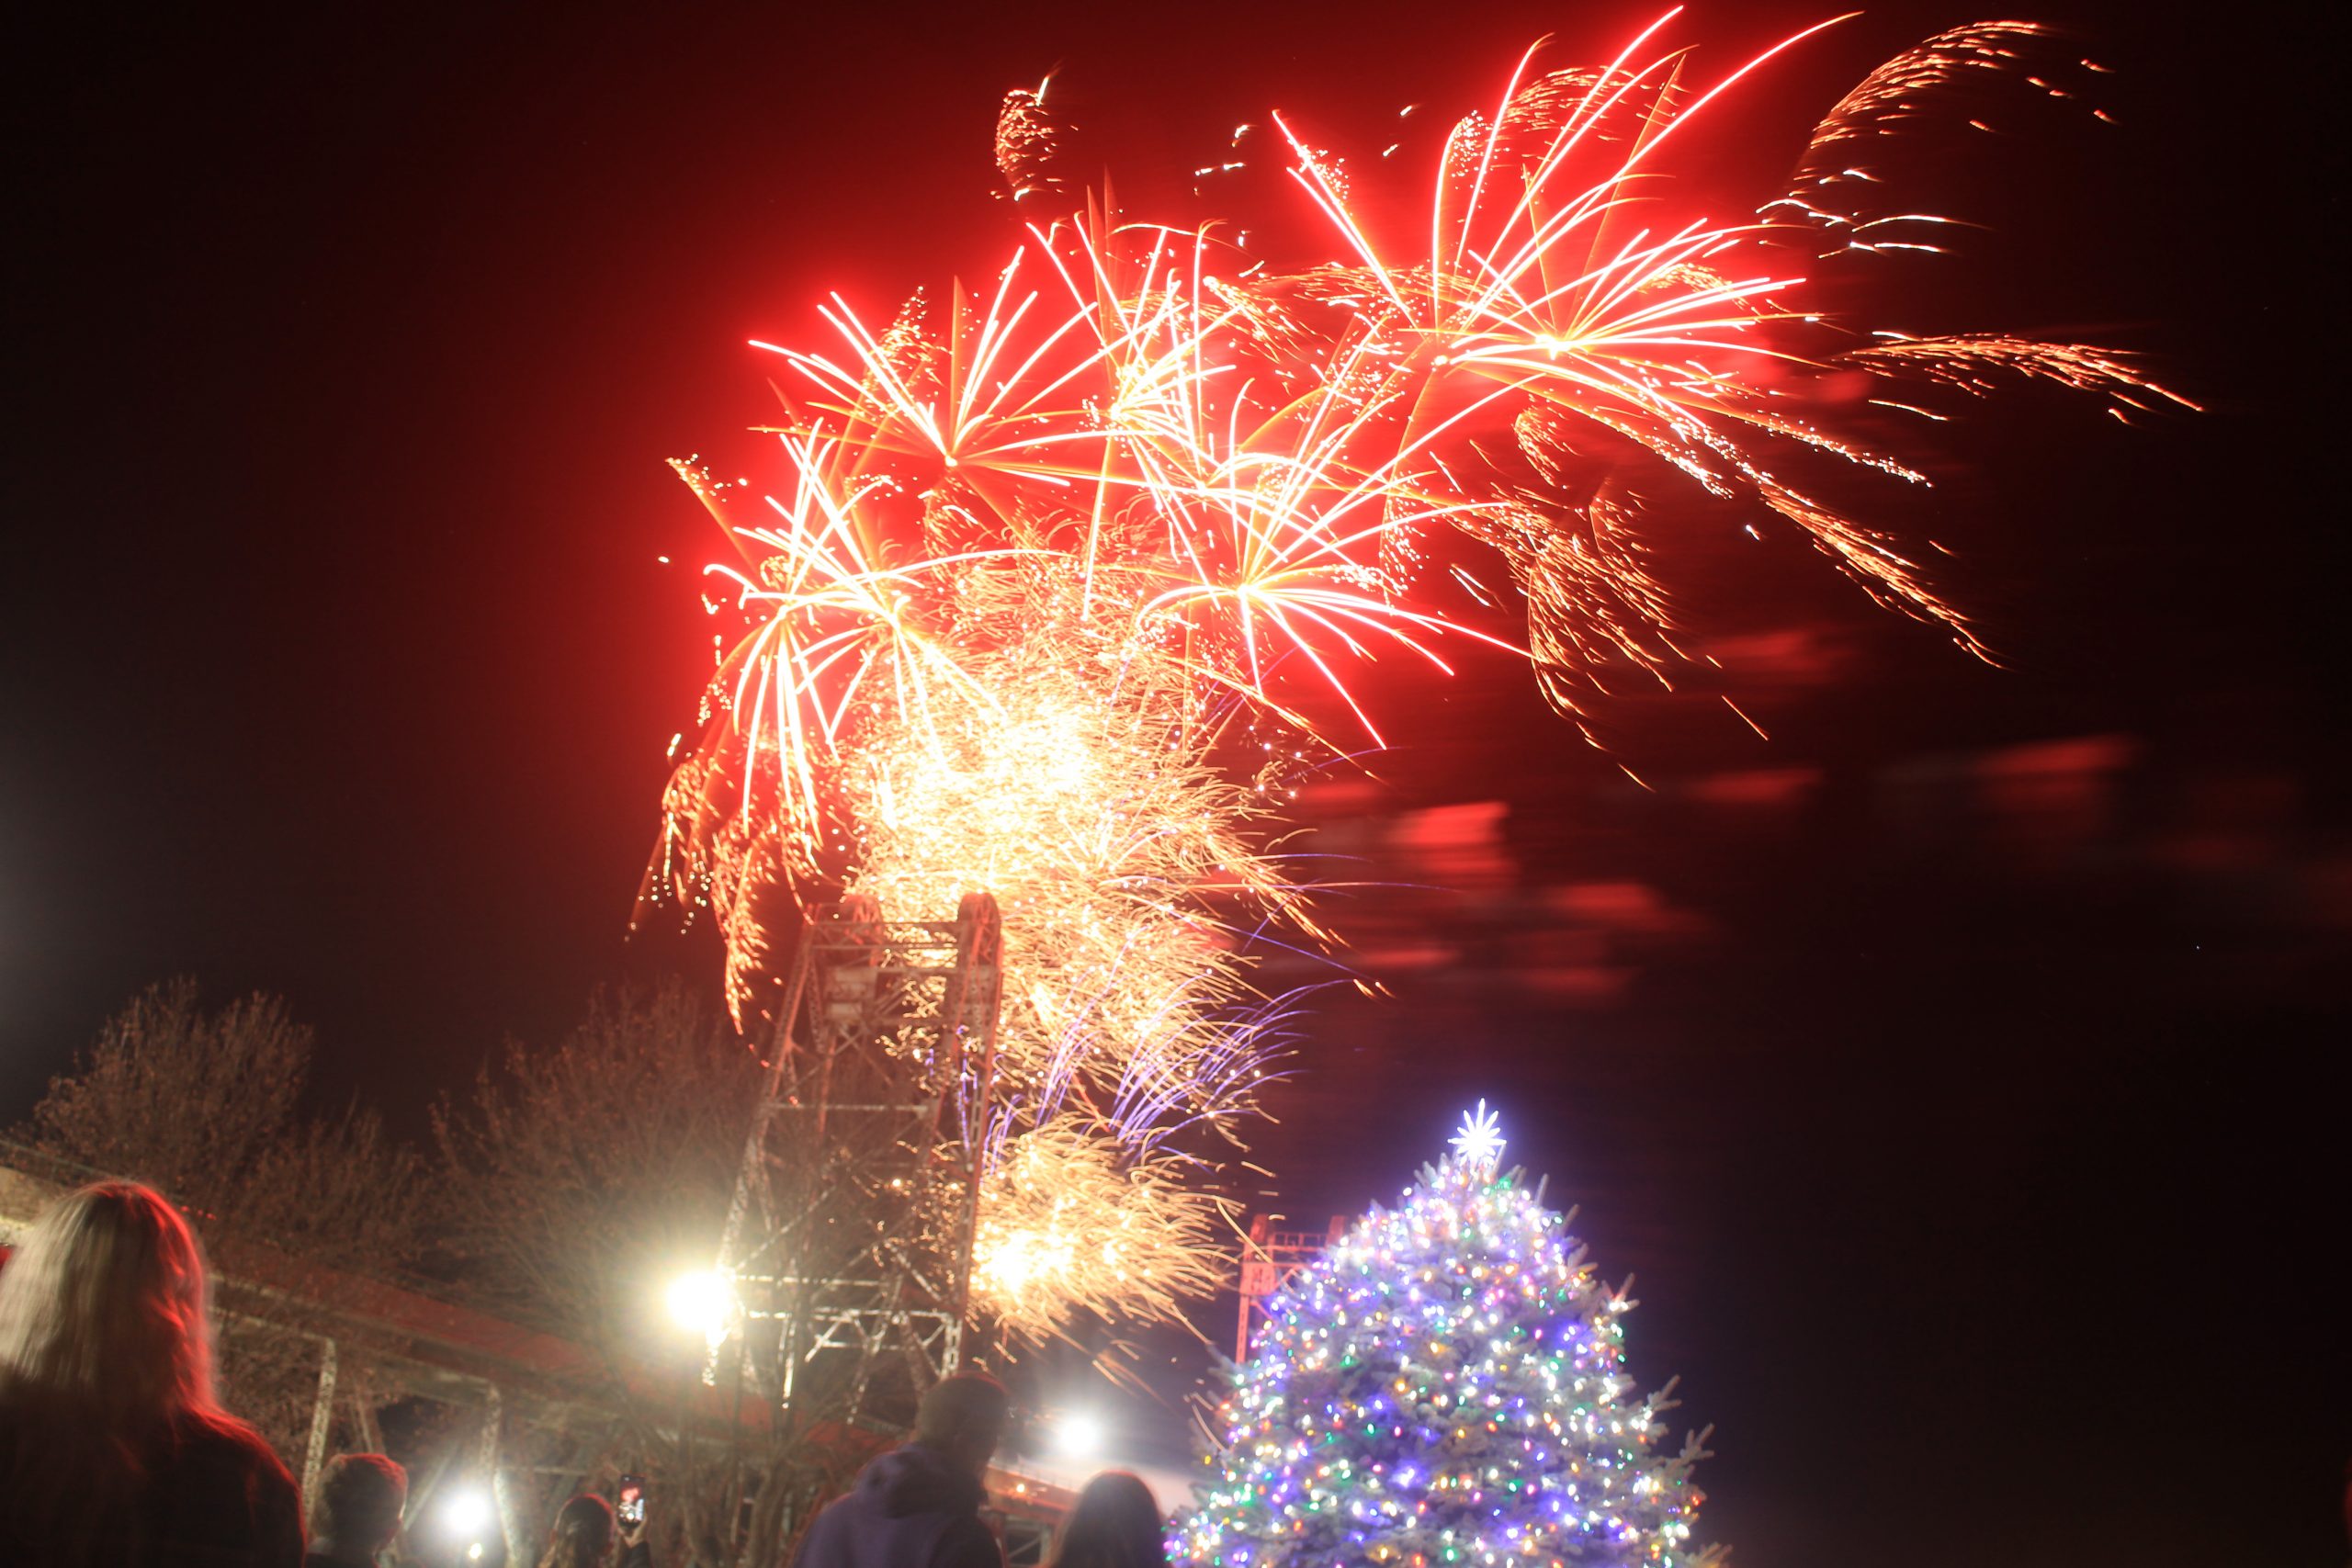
(115, 1452)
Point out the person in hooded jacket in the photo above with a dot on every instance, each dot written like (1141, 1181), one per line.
(919, 1506)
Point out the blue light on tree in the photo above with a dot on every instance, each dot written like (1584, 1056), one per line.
(1446, 1386)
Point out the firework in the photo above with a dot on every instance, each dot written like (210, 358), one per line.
(1071, 573)
(1028, 138)
(1068, 1220)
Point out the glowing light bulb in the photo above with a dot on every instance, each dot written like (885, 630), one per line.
(467, 1510)
(1079, 1435)
(702, 1302)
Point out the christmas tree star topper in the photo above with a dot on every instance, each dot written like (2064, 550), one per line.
(1480, 1141)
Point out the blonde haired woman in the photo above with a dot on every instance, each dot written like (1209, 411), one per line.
(112, 1447)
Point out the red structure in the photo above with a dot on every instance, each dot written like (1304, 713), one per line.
(1269, 1257)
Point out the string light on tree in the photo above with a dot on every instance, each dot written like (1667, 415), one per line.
(1446, 1386)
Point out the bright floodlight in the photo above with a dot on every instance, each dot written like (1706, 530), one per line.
(467, 1510)
(1079, 1435)
(699, 1301)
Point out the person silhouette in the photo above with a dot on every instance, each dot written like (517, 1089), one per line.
(1115, 1523)
(113, 1447)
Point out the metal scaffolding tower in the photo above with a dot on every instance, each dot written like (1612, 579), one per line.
(848, 1244)
(1268, 1259)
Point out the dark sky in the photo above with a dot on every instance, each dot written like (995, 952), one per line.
(1959, 1069)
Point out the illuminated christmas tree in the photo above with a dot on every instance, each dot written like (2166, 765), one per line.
(1446, 1386)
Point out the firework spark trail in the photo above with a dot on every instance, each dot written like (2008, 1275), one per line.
(1062, 1216)
(1915, 84)
(1028, 145)
(1050, 557)
(1974, 363)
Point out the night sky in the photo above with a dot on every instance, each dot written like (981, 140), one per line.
(1959, 1071)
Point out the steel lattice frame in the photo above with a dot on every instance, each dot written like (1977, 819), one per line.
(848, 1244)
(1268, 1259)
